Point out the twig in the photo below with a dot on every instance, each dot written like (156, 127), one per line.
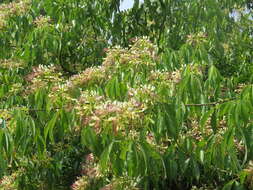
(211, 103)
(29, 109)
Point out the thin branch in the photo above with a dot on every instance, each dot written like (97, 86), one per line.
(29, 109)
(212, 103)
(52, 109)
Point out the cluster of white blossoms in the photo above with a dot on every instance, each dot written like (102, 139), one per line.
(42, 21)
(121, 116)
(9, 182)
(43, 76)
(90, 172)
(11, 64)
(196, 39)
(165, 76)
(8, 10)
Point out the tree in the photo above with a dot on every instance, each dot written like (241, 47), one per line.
(159, 96)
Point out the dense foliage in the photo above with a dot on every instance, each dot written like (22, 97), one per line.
(87, 102)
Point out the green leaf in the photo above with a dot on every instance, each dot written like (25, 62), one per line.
(39, 99)
(186, 164)
(229, 185)
(201, 156)
(105, 157)
(110, 88)
(245, 110)
(3, 123)
(48, 130)
(238, 186)
(173, 169)
(1, 139)
(196, 171)
(243, 176)
(41, 145)
(142, 148)
(89, 139)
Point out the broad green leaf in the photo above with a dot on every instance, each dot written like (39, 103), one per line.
(201, 156)
(105, 157)
(229, 185)
(196, 170)
(89, 139)
(48, 130)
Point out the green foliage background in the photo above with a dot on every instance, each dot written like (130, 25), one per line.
(156, 97)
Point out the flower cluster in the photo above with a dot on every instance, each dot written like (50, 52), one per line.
(90, 167)
(14, 8)
(42, 21)
(122, 183)
(161, 146)
(165, 77)
(143, 44)
(196, 39)
(4, 116)
(113, 55)
(121, 116)
(98, 76)
(195, 69)
(87, 102)
(43, 76)
(91, 76)
(240, 88)
(194, 129)
(90, 173)
(15, 89)
(61, 94)
(12, 64)
(82, 183)
(10, 182)
(227, 48)
(141, 53)
(145, 93)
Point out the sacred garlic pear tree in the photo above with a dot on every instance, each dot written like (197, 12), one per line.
(159, 96)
